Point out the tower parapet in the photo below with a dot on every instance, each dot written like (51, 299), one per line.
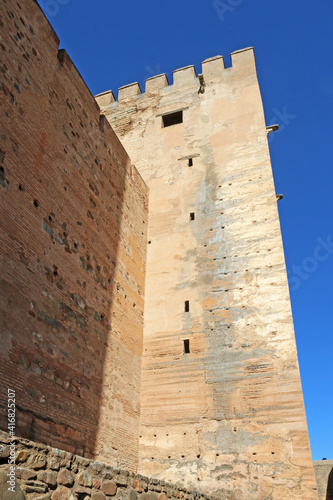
(213, 71)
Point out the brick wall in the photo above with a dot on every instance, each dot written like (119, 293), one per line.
(73, 245)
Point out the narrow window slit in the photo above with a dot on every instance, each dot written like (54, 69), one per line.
(186, 346)
(192, 216)
(187, 306)
(190, 162)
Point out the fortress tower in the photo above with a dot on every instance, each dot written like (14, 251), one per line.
(221, 398)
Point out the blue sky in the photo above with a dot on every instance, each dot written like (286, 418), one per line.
(116, 43)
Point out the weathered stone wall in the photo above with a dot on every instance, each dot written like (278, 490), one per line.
(228, 415)
(323, 470)
(44, 473)
(73, 250)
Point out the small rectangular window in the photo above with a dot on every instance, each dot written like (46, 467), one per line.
(192, 216)
(190, 162)
(187, 306)
(172, 118)
(186, 346)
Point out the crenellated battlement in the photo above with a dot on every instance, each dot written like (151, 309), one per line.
(213, 71)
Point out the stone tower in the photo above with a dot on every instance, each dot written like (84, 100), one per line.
(221, 398)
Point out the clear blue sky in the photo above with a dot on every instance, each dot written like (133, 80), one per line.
(114, 43)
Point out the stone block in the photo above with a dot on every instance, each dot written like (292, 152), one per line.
(33, 486)
(65, 477)
(148, 496)
(25, 474)
(50, 478)
(109, 488)
(47, 496)
(82, 461)
(122, 495)
(63, 493)
(39, 461)
(96, 484)
(98, 495)
(81, 491)
(121, 480)
(137, 485)
(53, 463)
(96, 466)
(4, 437)
(84, 479)
(4, 452)
(21, 456)
(133, 495)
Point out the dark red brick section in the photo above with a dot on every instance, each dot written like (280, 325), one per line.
(73, 249)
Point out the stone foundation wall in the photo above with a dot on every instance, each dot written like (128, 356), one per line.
(44, 473)
(73, 249)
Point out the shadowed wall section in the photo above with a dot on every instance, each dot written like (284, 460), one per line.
(324, 476)
(73, 245)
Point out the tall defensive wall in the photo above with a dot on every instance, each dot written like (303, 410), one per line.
(73, 250)
(221, 398)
